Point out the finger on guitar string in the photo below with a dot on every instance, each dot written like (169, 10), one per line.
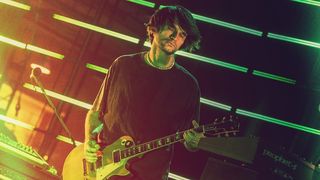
(195, 124)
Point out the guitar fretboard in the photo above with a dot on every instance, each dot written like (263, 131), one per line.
(152, 145)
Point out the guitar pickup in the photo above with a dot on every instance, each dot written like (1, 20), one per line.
(116, 156)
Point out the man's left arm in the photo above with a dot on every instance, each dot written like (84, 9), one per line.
(192, 137)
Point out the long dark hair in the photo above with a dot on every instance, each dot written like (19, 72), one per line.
(177, 14)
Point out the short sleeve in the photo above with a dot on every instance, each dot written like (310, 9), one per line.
(100, 102)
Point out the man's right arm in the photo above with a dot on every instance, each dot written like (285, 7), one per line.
(90, 145)
(91, 123)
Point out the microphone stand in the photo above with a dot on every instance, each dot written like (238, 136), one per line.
(33, 77)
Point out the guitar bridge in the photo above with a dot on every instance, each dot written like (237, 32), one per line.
(89, 169)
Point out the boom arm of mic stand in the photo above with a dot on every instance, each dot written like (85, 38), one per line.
(54, 109)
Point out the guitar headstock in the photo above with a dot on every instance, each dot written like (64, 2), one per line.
(225, 126)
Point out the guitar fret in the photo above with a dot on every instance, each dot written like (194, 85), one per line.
(178, 136)
(144, 147)
(168, 140)
(154, 144)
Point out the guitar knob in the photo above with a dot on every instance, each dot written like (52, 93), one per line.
(128, 143)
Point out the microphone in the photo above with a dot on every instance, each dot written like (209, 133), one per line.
(36, 72)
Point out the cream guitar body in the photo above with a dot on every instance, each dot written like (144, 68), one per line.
(75, 167)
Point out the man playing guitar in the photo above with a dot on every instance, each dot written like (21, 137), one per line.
(148, 95)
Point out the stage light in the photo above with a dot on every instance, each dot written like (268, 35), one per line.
(30, 47)
(67, 140)
(44, 51)
(59, 96)
(215, 104)
(16, 122)
(143, 3)
(278, 121)
(207, 19)
(16, 4)
(274, 77)
(227, 25)
(176, 177)
(213, 61)
(310, 2)
(12, 42)
(96, 68)
(44, 70)
(293, 40)
(96, 28)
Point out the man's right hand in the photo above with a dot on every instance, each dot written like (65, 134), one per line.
(90, 151)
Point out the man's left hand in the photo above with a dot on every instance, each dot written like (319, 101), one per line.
(192, 137)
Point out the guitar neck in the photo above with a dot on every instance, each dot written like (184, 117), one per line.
(219, 128)
(151, 145)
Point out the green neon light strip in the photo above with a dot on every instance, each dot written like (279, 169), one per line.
(143, 3)
(227, 25)
(44, 51)
(176, 177)
(279, 122)
(224, 24)
(96, 68)
(30, 47)
(96, 28)
(207, 60)
(16, 122)
(68, 140)
(315, 3)
(59, 96)
(293, 40)
(16, 4)
(12, 42)
(215, 104)
(274, 77)
(213, 61)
